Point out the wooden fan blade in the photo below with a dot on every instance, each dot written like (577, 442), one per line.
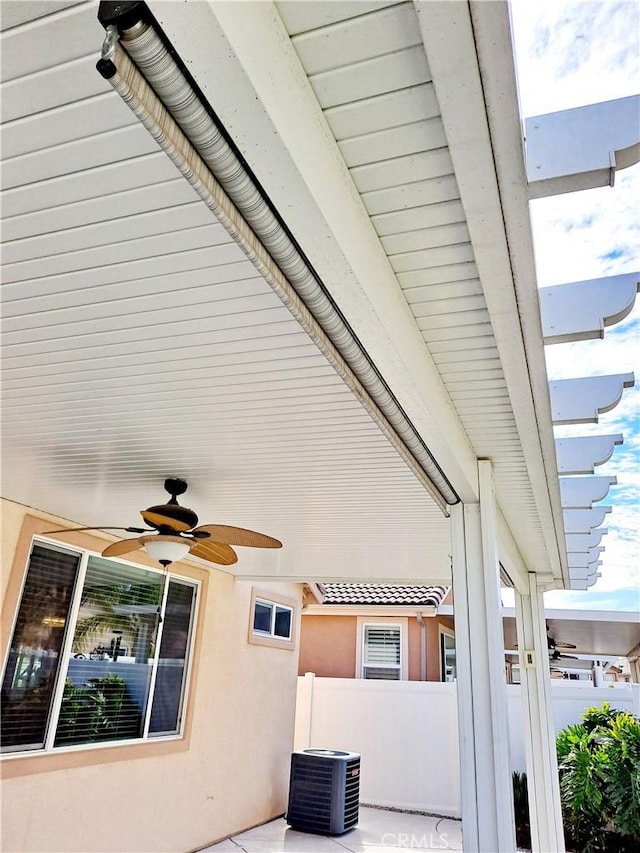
(157, 520)
(239, 536)
(124, 546)
(214, 552)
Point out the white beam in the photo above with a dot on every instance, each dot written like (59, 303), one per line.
(510, 555)
(584, 584)
(586, 572)
(582, 542)
(580, 454)
(580, 401)
(579, 311)
(364, 562)
(547, 832)
(582, 148)
(582, 520)
(583, 492)
(579, 560)
(284, 136)
(468, 48)
(486, 791)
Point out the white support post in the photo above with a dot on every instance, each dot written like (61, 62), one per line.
(485, 775)
(547, 835)
(598, 674)
(303, 737)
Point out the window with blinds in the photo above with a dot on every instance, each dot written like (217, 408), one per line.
(381, 652)
(34, 659)
(99, 653)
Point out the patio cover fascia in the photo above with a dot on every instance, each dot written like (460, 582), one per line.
(288, 145)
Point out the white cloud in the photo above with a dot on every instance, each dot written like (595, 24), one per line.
(618, 352)
(575, 53)
(588, 234)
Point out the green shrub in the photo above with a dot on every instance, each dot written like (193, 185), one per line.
(521, 810)
(101, 709)
(599, 765)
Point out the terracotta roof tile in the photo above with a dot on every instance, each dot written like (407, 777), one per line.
(383, 594)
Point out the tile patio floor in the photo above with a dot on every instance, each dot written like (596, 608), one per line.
(378, 831)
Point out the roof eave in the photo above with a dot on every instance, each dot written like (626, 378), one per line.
(469, 49)
(372, 610)
(492, 22)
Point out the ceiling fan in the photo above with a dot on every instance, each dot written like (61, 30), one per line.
(555, 656)
(553, 644)
(172, 534)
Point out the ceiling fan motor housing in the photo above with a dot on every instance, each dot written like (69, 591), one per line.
(174, 512)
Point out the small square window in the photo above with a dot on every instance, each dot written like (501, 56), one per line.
(272, 622)
(272, 619)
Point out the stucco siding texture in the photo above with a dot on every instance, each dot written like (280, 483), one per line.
(230, 773)
(328, 646)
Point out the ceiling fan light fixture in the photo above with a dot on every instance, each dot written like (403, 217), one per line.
(167, 549)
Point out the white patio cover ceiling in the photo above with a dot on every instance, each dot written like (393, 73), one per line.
(139, 342)
(589, 632)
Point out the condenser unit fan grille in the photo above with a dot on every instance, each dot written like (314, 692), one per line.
(324, 791)
(312, 782)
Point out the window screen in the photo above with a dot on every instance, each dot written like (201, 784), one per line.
(34, 655)
(168, 694)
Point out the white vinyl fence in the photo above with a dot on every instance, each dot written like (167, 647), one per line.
(407, 732)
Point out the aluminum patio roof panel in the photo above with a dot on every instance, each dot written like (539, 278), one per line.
(140, 342)
(409, 189)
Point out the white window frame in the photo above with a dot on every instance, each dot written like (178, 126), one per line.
(445, 632)
(65, 654)
(377, 622)
(273, 600)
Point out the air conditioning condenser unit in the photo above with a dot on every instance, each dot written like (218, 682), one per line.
(324, 791)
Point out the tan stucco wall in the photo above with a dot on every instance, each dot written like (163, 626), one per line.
(414, 649)
(230, 772)
(328, 646)
(11, 516)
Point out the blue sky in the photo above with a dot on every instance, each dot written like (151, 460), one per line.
(570, 54)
